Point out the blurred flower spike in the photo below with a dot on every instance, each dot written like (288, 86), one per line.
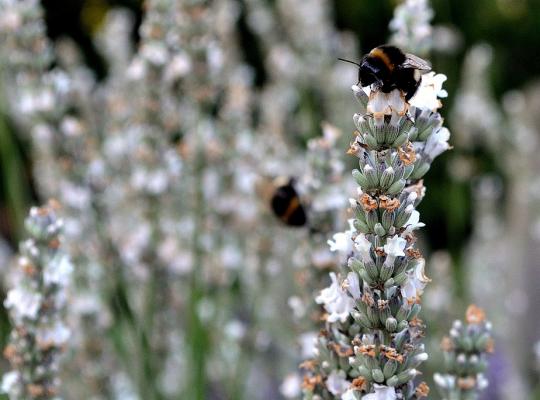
(465, 351)
(36, 305)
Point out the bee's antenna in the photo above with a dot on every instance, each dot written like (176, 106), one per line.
(349, 61)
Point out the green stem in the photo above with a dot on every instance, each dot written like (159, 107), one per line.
(16, 188)
(198, 336)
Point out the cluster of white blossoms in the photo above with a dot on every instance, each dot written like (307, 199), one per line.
(371, 345)
(411, 26)
(138, 160)
(36, 306)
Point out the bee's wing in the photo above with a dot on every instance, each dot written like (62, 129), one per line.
(412, 61)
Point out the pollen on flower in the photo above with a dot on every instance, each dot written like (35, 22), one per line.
(490, 346)
(367, 350)
(380, 251)
(447, 344)
(35, 390)
(387, 203)
(340, 350)
(413, 253)
(392, 354)
(422, 390)
(406, 154)
(354, 149)
(10, 351)
(475, 315)
(381, 304)
(368, 299)
(308, 365)
(310, 382)
(54, 243)
(359, 383)
(467, 383)
(368, 203)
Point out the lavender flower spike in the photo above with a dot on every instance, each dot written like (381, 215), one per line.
(35, 305)
(371, 345)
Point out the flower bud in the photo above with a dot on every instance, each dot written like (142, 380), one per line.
(379, 230)
(390, 368)
(360, 178)
(392, 381)
(396, 187)
(377, 375)
(387, 177)
(371, 176)
(391, 325)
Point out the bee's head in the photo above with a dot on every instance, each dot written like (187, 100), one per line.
(371, 72)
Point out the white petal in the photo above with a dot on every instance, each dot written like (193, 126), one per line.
(353, 285)
(336, 383)
(381, 393)
(394, 246)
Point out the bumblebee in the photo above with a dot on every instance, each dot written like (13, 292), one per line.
(389, 68)
(286, 204)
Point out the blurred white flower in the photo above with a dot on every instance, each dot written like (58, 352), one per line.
(349, 395)
(9, 380)
(235, 329)
(155, 53)
(336, 301)
(445, 381)
(343, 242)
(381, 393)
(291, 387)
(411, 24)
(24, 303)
(297, 306)
(58, 334)
(178, 67)
(437, 143)
(481, 382)
(427, 95)
(308, 341)
(58, 271)
(336, 383)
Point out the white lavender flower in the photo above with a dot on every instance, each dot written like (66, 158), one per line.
(381, 393)
(343, 241)
(291, 387)
(337, 383)
(430, 90)
(415, 283)
(336, 301)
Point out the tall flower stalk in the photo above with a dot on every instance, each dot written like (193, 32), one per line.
(465, 351)
(36, 306)
(371, 345)
(411, 26)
